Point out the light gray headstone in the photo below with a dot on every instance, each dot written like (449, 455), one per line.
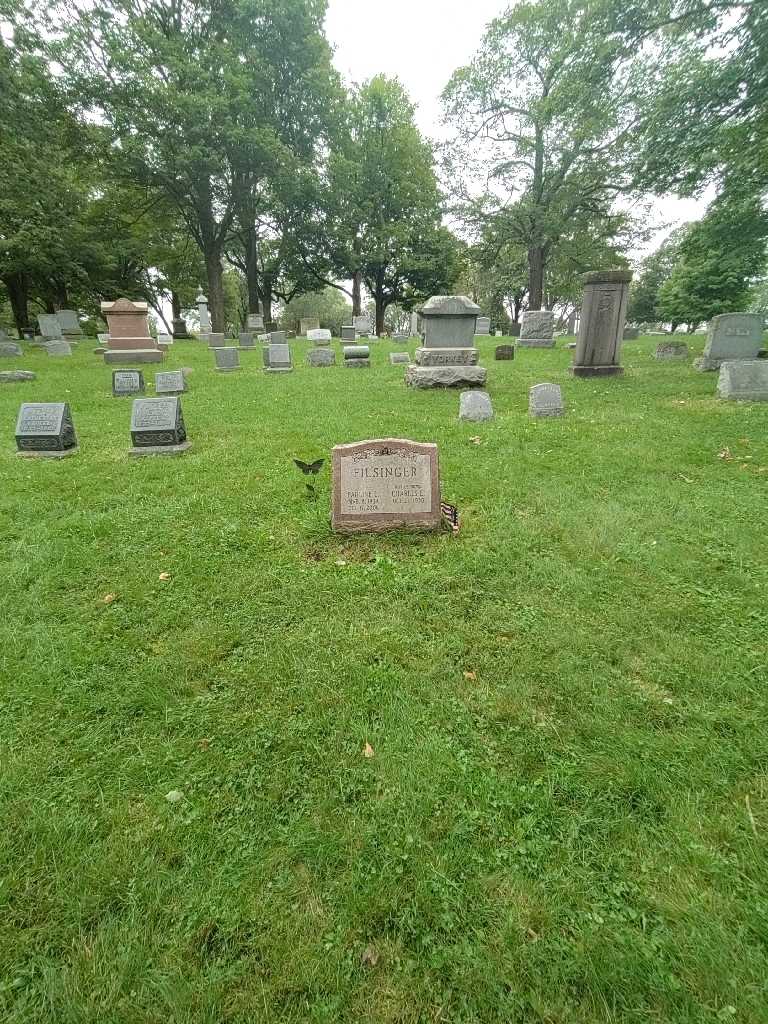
(278, 357)
(538, 329)
(745, 379)
(357, 351)
(246, 339)
(49, 325)
(10, 350)
(277, 338)
(483, 325)
(216, 340)
(545, 400)
(362, 324)
(127, 382)
(13, 376)
(319, 335)
(731, 336)
(168, 382)
(348, 334)
(70, 321)
(399, 357)
(671, 350)
(103, 339)
(475, 406)
(227, 359)
(255, 322)
(57, 347)
(321, 357)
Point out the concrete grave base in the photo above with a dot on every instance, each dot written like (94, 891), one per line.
(49, 455)
(357, 363)
(130, 356)
(160, 449)
(446, 376)
(278, 369)
(227, 369)
(596, 371)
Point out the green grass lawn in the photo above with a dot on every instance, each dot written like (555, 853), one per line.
(565, 817)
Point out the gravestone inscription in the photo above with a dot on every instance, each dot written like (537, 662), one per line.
(504, 352)
(321, 357)
(744, 379)
(45, 430)
(385, 484)
(545, 400)
(731, 336)
(157, 427)
(538, 329)
(170, 382)
(227, 359)
(127, 382)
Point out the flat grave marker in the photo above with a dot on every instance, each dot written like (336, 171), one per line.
(44, 430)
(127, 382)
(170, 382)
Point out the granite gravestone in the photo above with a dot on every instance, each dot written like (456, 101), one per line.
(203, 315)
(321, 357)
(58, 347)
(10, 350)
(447, 357)
(70, 323)
(385, 484)
(545, 400)
(362, 325)
(671, 350)
(245, 339)
(127, 382)
(14, 376)
(49, 325)
(504, 352)
(216, 339)
(348, 334)
(483, 325)
(277, 337)
(129, 337)
(414, 325)
(538, 329)
(179, 328)
(157, 427)
(745, 379)
(396, 358)
(475, 406)
(603, 312)
(277, 358)
(357, 356)
(308, 323)
(731, 336)
(170, 382)
(227, 359)
(514, 329)
(255, 322)
(45, 430)
(320, 336)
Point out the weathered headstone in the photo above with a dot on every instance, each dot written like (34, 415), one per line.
(671, 350)
(483, 325)
(744, 379)
(129, 337)
(603, 312)
(70, 323)
(362, 324)
(277, 358)
(10, 350)
(570, 327)
(385, 484)
(170, 382)
(538, 329)
(357, 356)
(399, 357)
(308, 323)
(545, 400)
(15, 376)
(475, 406)
(321, 357)
(58, 347)
(45, 430)
(348, 333)
(127, 382)
(216, 339)
(49, 325)
(414, 324)
(504, 352)
(514, 329)
(277, 337)
(320, 336)
(731, 336)
(203, 315)
(447, 357)
(179, 328)
(255, 322)
(164, 339)
(246, 339)
(227, 359)
(157, 427)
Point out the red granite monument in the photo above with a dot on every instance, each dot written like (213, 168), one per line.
(129, 338)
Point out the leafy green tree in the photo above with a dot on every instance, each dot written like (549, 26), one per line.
(384, 208)
(545, 112)
(720, 258)
(655, 271)
(329, 305)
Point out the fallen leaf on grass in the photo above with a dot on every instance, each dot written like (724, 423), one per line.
(340, 561)
(725, 453)
(470, 675)
(174, 796)
(476, 440)
(164, 576)
(109, 598)
(204, 744)
(368, 750)
(370, 957)
(686, 478)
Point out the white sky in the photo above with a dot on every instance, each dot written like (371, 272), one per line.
(423, 42)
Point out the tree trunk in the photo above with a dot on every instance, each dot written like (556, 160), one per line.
(16, 285)
(535, 276)
(215, 278)
(266, 299)
(357, 281)
(252, 269)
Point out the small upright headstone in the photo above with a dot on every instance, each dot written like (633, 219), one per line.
(70, 323)
(58, 347)
(103, 339)
(320, 336)
(414, 325)
(277, 358)
(203, 315)
(277, 337)
(49, 325)
(475, 406)
(45, 430)
(538, 329)
(362, 325)
(385, 484)
(246, 339)
(671, 350)
(399, 357)
(483, 325)
(504, 352)
(308, 323)
(227, 359)
(216, 339)
(127, 382)
(545, 400)
(179, 328)
(514, 329)
(321, 357)
(157, 427)
(357, 356)
(10, 350)
(255, 322)
(601, 329)
(731, 336)
(348, 333)
(745, 379)
(170, 382)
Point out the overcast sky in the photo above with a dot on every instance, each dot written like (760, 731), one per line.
(423, 42)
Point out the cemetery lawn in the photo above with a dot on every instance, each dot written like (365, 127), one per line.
(563, 814)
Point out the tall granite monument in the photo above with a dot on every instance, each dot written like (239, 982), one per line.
(448, 357)
(129, 337)
(603, 313)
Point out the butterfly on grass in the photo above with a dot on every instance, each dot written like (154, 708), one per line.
(310, 467)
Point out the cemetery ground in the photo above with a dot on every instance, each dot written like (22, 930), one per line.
(255, 771)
